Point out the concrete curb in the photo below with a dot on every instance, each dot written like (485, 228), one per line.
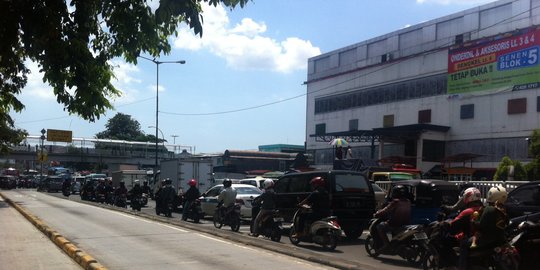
(82, 258)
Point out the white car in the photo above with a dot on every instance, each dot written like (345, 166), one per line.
(244, 196)
(380, 195)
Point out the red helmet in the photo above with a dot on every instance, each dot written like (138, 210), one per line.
(317, 182)
(192, 182)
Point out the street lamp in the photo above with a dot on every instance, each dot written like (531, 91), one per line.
(41, 158)
(153, 60)
(174, 138)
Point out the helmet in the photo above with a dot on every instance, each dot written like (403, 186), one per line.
(268, 184)
(497, 194)
(399, 191)
(136, 182)
(168, 181)
(192, 182)
(227, 182)
(471, 194)
(317, 182)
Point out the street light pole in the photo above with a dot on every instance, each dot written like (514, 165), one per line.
(43, 131)
(174, 138)
(157, 101)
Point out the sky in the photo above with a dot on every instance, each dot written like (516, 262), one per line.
(242, 83)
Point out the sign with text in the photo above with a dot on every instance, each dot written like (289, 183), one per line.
(55, 135)
(510, 63)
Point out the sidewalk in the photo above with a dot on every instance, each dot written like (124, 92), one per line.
(22, 246)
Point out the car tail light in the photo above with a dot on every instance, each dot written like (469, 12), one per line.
(335, 223)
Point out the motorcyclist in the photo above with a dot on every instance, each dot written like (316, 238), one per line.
(167, 193)
(227, 197)
(492, 221)
(66, 186)
(146, 189)
(190, 196)
(136, 191)
(459, 205)
(119, 192)
(461, 226)
(319, 203)
(88, 190)
(101, 190)
(109, 192)
(397, 212)
(267, 205)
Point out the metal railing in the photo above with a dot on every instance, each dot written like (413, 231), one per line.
(483, 186)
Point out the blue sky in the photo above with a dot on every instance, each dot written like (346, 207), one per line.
(254, 57)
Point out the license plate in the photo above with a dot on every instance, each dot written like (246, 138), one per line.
(420, 236)
(278, 219)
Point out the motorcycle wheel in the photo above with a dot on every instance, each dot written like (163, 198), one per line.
(419, 255)
(235, 224)
(431, 259)
(331, 243)
(196, 217)
(217, 220)
(370, 247)
(294, 240)
(276, 234)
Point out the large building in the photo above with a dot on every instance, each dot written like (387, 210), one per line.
(465, 85)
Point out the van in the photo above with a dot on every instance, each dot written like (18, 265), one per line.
(350, 193)
(391, 176)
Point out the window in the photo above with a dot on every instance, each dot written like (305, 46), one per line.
(350, 183)
(517, 106)
(424, 116)
(353, 124)
(433, 150)
(281, 185)
(467, 111)
(320, 129)
(388, 120)
(299, 184)
(526, 196)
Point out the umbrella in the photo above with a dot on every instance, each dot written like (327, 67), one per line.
(339, 142)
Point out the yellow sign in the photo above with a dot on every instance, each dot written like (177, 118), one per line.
(42, 157)
(55, 135)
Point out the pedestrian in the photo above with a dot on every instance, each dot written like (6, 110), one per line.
(349, 155)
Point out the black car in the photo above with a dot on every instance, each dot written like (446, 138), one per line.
(524, 200)
(350, 193)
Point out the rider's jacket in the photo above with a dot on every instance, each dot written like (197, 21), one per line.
(227, 196)
(490, 226)
(398, 212)
(192, 194)
(461, 225)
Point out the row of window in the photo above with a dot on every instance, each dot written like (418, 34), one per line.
(515, 106)
(412, 89)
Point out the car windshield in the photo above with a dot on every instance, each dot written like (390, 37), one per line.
(247, 190)
(351, 183)
(376, 188)
(401, 176)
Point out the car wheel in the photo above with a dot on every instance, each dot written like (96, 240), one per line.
(294, 240)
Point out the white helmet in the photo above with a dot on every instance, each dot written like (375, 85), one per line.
(471, 194)
(497, 194)
(268, 184)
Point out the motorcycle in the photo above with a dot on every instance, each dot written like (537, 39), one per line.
(229, 216)
(66, 192)
(443, 251)
(101, 198)
(271, 226)
(410, 243)
(144, 199)
(164, 208)
(325, 232)
(194, 212)
(526, 239)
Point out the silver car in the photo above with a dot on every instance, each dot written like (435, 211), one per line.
(380, 195)
(244, 196)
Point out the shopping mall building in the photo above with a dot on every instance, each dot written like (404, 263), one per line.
(461, 88)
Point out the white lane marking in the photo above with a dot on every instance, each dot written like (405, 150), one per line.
(215, 239)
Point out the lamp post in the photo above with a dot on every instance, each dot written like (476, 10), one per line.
(174, 138)
(43, 131)
(153, 60)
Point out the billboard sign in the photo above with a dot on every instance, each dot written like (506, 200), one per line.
(508, 63)
(55, 135)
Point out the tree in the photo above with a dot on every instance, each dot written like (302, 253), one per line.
(73, 46)
(503, 170)
(123, 127)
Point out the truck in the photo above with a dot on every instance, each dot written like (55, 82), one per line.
(181, 170)
(129, 176)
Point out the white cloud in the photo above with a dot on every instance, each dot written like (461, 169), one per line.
(126, 81)
(244, 45)
(35, 87)
(449, 2)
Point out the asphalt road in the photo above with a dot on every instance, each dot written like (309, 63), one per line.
(350, 250)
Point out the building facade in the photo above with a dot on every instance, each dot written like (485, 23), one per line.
(467, 84)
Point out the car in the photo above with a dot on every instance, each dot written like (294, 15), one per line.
(53, 183)
(256, 182)
(392, 176)
(380, 195)
(245, 195)
(350, 196)
(523, 200)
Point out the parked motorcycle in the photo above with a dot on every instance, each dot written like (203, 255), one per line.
(229, 216)
(121, 201)
(271, 225)
(194, 212)
(325, 232)
(443, 251)
(410, 243)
